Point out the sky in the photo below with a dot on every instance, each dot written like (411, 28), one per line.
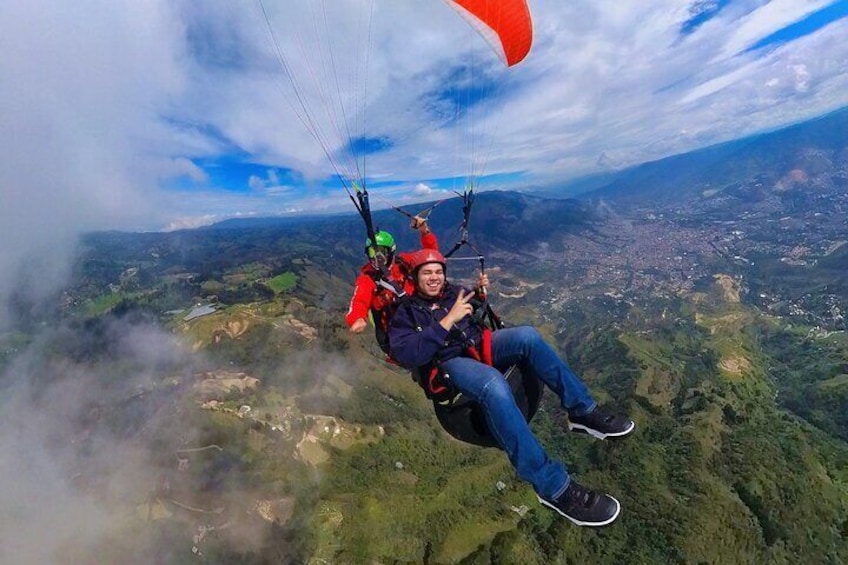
(166, 114)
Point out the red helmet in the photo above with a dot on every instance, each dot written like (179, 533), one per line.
(421, 257)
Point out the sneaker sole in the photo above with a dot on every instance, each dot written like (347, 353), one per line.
(580, 428)
(579, 522)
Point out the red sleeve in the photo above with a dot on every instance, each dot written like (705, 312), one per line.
(429, 241)
(360, 302)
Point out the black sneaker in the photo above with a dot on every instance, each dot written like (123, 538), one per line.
(600, 424)
(584, 507)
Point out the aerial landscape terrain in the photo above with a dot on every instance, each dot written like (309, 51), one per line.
(197, 199)
(204, 402)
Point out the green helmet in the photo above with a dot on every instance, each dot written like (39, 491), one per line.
(383, 239)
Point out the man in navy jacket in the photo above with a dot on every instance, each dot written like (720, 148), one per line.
(436, 327)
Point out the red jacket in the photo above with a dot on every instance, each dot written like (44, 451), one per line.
(367, 295)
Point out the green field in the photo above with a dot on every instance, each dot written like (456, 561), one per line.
(283, 282)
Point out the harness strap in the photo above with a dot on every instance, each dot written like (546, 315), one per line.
(433, 379)
(435, 387)
(391, 287)
(484, 354)
(487, 346)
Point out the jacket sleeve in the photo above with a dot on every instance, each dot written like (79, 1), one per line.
(429, 241)
(410, 347)
(360, 302)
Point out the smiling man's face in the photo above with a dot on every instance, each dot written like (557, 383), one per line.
(431, 279)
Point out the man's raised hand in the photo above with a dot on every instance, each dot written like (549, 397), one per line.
(460, 309)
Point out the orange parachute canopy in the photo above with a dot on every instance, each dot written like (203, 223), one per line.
(505, 24)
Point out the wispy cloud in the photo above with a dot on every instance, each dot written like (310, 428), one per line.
(701, 12)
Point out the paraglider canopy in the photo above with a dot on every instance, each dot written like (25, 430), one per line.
(325, 74)
(505, 24)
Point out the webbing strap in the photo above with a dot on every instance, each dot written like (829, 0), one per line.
(484, 355)
(487, 346)
(399, 292)
(433, 384)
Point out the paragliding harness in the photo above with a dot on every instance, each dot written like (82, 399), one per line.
(467, 201)
(383, 307)
(463, 417)
(388, 292)
(460, 416)
(433, 379)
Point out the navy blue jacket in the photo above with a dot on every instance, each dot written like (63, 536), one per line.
(417, 339)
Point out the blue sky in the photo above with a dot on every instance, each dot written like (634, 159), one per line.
(805, 26)
(174, 113)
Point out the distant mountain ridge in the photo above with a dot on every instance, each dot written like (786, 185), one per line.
(773, 160)
(498, 219)
(813, 146)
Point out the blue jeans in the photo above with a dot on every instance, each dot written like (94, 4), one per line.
(486, 385)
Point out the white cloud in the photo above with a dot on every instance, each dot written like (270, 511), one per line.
(191, 222)
(185, 168)
(270, 184)
(256, 183)
(283, 191)
(60, 501)
(802, 78)
(422, 189)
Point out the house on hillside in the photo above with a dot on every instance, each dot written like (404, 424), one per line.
(199, 311)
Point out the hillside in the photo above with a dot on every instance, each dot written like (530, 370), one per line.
(200, 390)
(809, 150)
